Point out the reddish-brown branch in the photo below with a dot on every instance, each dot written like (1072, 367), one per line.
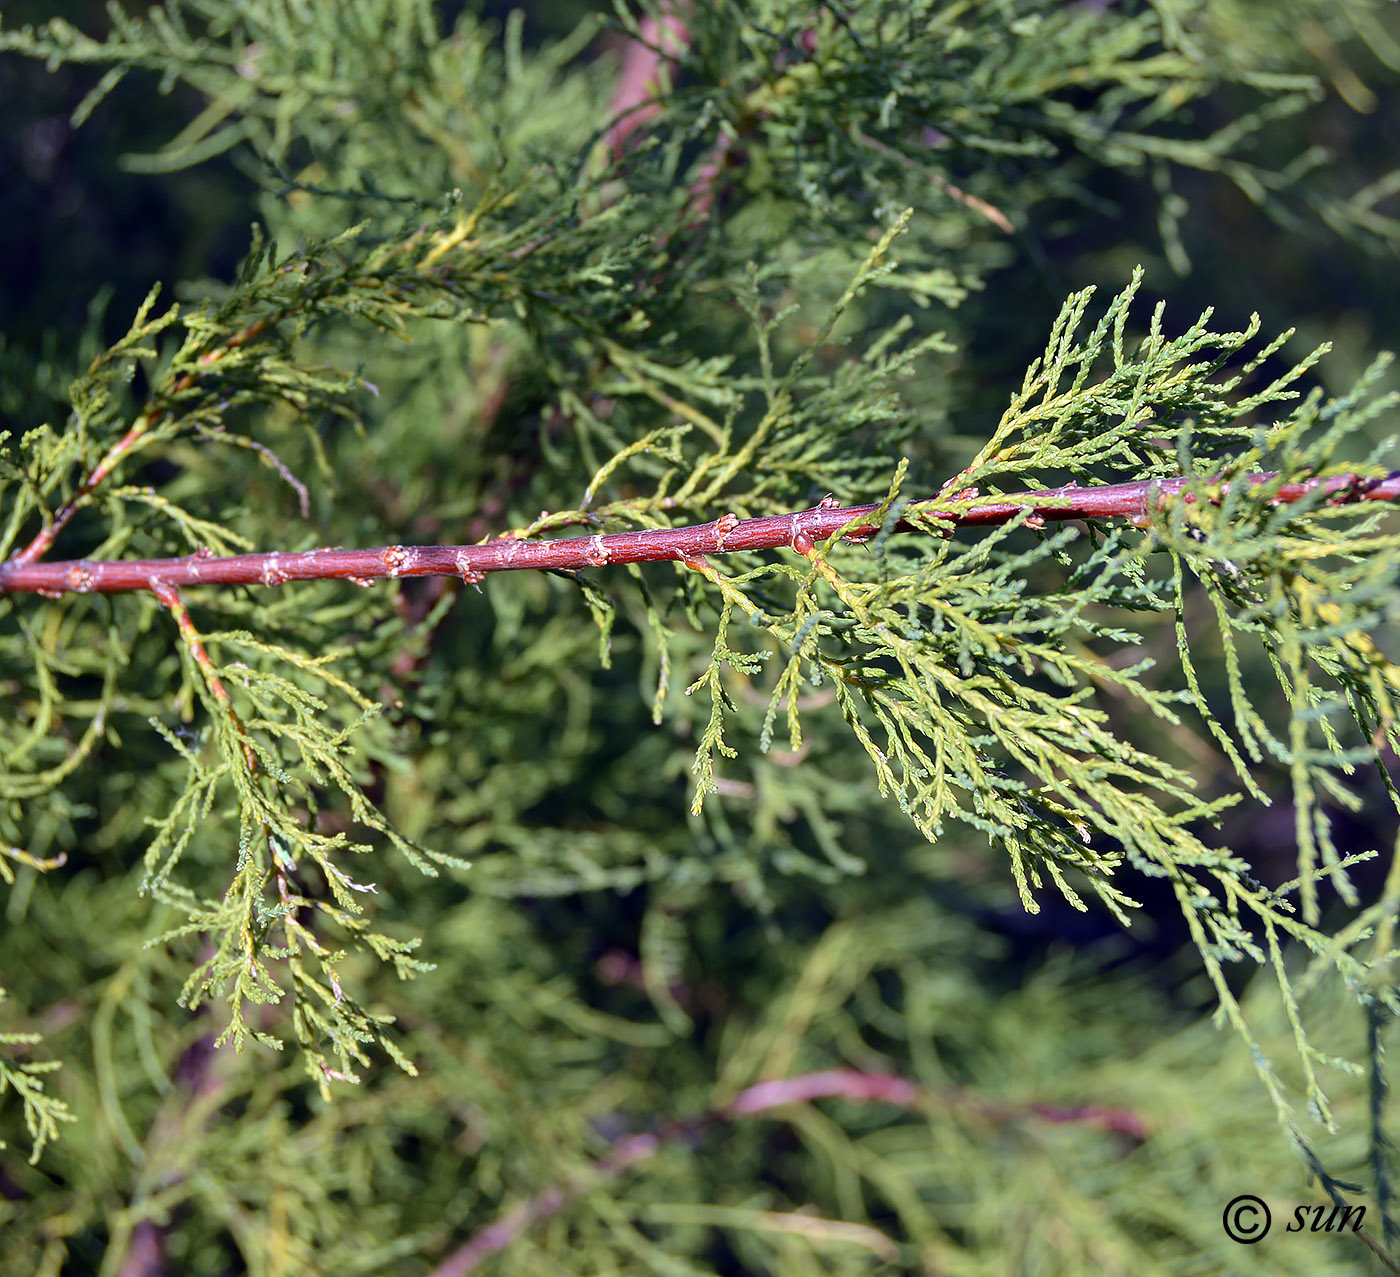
(853, 1085)
(170, 598)
(44, 538)
(575, 554)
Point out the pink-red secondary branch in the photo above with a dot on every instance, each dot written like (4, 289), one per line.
(763, 1097)
(572, 554)
(38, 547)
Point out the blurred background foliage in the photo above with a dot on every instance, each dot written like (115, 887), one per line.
(610, 964)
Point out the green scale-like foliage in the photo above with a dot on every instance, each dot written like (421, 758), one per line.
(634, 839)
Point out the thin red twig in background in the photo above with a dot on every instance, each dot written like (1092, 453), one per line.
(848, 1084)
(724, 535)
(636, 99)
(200, 1085)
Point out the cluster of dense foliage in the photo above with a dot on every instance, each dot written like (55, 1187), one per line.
(670, 911)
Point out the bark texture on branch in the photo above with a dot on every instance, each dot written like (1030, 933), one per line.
(573, 554)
